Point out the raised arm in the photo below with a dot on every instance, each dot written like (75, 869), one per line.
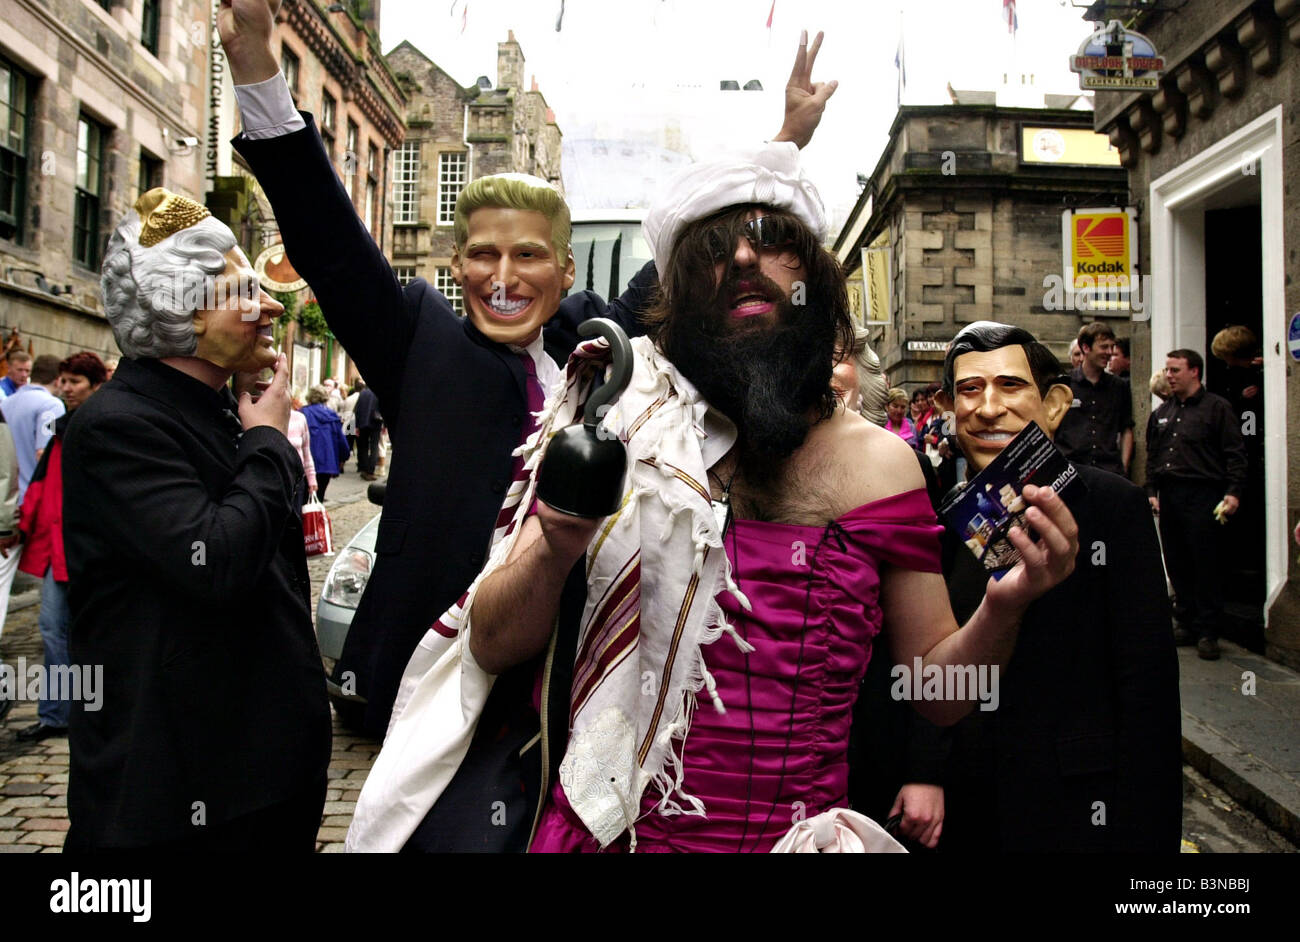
(323, 235)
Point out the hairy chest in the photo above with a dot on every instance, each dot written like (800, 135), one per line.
(809, 490)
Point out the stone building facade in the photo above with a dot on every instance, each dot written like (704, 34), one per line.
(973, 230)
(455, 135)
(1213, 155)
(101, 100)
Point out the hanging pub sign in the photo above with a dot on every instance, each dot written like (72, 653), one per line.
(275, 270)
(1117, 59)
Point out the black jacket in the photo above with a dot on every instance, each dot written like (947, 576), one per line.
(367, 410)
(1088, 724)
(453, 402)
(188, 583)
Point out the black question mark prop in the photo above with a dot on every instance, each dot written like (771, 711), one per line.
(582, 473)
(621, 350)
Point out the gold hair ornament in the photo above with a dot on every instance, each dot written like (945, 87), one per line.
(164, 213)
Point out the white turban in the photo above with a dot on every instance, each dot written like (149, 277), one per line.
(770, 175)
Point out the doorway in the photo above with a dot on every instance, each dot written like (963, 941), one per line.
(1219, 209)
(1234, 298)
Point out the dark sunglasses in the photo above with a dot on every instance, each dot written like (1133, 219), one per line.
(765, 232)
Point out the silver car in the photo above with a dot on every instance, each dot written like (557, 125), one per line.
(344, 585)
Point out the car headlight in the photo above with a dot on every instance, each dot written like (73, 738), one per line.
(347, 578)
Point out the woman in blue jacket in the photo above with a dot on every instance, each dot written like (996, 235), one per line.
(329, 447)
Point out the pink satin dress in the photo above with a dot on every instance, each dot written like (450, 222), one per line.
(779, 753)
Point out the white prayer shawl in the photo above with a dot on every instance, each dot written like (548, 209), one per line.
(634, 636)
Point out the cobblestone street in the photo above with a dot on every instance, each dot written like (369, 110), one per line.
(34, 776)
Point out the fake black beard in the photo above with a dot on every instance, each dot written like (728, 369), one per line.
(765, 379)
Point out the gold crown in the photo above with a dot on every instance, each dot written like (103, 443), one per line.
(164, 213)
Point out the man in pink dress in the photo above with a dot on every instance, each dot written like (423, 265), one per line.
(820, 530)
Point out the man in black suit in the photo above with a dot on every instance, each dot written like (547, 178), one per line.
(1083, 752)
(187, 576)
(369, 423)
(454, 391)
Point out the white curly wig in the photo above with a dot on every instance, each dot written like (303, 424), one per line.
(150, 292)
(872, 388)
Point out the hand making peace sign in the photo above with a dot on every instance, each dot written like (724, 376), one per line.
(805, 100)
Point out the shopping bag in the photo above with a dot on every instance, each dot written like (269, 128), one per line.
(317, 532)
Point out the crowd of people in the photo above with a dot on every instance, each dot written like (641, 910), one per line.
(771, 626)
(38, 396)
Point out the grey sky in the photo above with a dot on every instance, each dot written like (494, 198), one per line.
(649, 69)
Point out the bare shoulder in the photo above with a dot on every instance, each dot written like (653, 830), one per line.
(867, 462)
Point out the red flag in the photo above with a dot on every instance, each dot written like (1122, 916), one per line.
(769, 14)
(1008, 14)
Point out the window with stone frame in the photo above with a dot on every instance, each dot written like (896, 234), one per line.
(405, 274)
(372, 188)
(453, 174)
(89, 182)
(151, 172)
(290, 68)
(150, 16)
(328, 117)
(406, 183)
(350, 157)
(15, 106)
(444, 282)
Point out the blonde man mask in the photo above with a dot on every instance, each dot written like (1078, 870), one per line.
(512, 257)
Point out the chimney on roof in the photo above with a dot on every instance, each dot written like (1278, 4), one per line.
(510, 64)
(534, 83)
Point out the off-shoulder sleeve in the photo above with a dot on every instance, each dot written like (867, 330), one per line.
(900, 530)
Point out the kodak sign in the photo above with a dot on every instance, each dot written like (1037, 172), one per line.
(1100, 249)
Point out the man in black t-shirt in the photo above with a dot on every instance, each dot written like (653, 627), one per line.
(1098, 429)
